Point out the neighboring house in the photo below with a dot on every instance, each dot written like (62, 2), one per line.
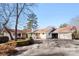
(64, 33)
(20, 33)
(43, 33)
(27, 33)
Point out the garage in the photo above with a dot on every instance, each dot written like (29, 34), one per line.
(65, 35)
(54, 35)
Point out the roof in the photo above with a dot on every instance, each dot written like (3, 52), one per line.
(77, 27)
(12, 30)
(41, 31)
(44, 30)
(27, 31)
(19, 31)
(65, 29)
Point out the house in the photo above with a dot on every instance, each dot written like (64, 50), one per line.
(20, 33)
(44, 33)
(64, 33)
(27, 33)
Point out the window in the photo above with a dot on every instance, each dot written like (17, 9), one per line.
(39, 33)
(49, 33)
(19, 34)
(43, 33)
(26, 35)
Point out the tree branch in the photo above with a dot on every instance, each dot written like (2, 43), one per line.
(21, 9)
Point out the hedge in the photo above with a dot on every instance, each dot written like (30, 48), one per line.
(24, 42)
(4, 39)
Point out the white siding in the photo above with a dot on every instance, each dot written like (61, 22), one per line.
(34, 36)
(65, 35)
(43, 36)
(49, 35)
(6, 34)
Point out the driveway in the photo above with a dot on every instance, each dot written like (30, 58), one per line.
(51, 48)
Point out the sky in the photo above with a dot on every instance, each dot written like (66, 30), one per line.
(52, 14)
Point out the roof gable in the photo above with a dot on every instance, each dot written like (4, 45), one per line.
(65, 29)
(44, 30)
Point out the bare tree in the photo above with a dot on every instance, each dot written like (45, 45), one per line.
(20, 11)
(6, 12)
(63, 25)
(14, 11)
(74, 21)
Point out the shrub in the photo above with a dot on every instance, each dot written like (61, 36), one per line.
(4, 39)
(75, 35)
(8, 48)
(11, 43)
(31, 40)
(22, 43)
(25, 42)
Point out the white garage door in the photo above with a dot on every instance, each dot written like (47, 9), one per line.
(65, 36)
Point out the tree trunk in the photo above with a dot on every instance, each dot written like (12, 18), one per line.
(16, 21)
(8, 32)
